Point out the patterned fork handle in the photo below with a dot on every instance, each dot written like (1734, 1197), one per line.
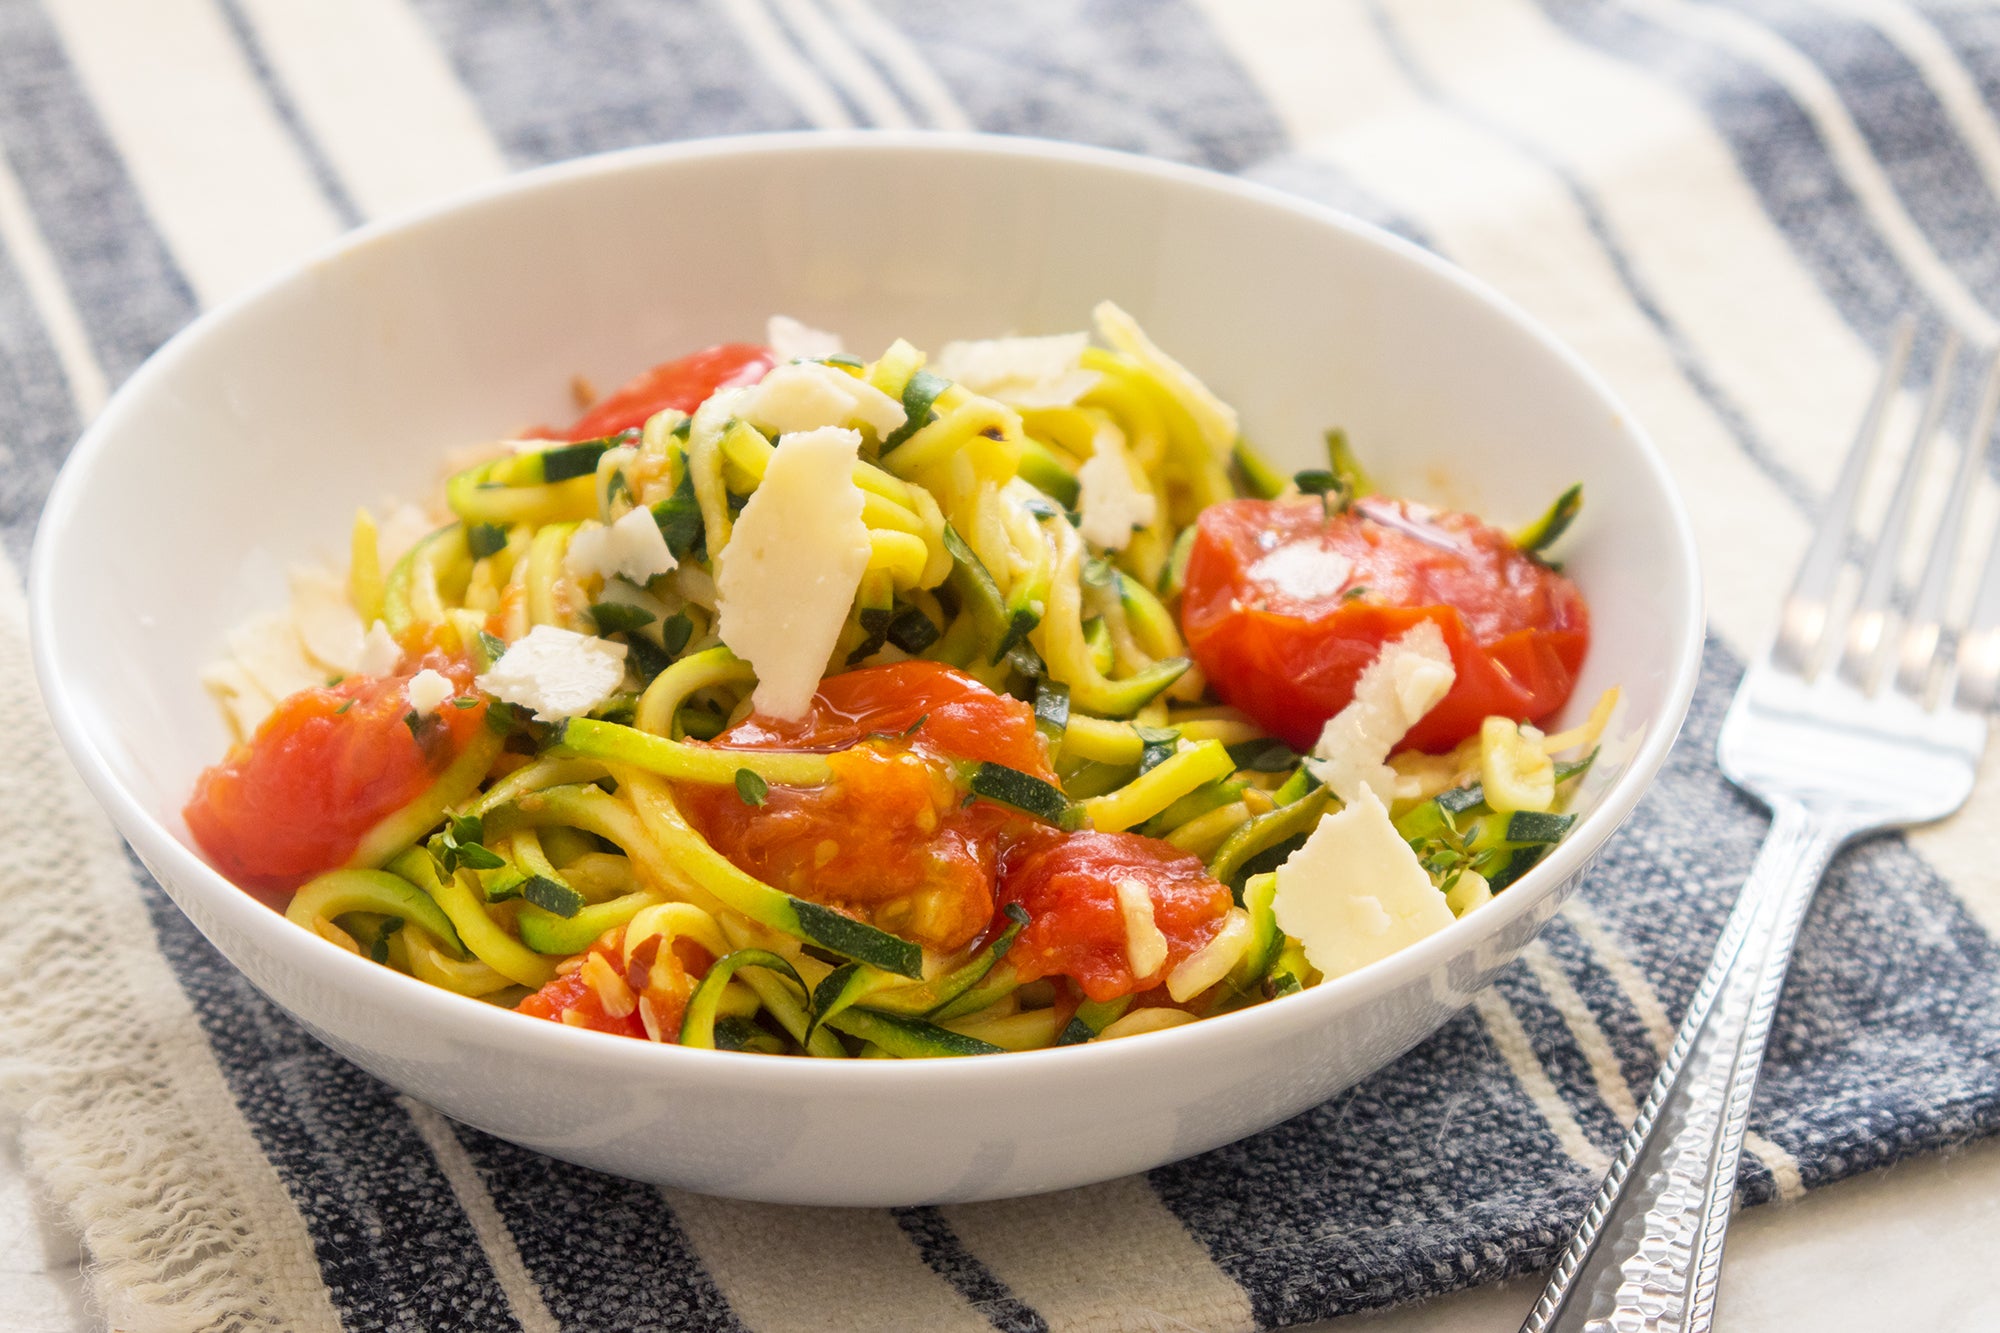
(1648, 1254)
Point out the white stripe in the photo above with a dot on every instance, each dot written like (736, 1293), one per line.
(217, 173)
(1507, 219)
(806, 1269)
(1611, 956)
(380, 99)
(1924, 46)
(39, 274)
(1693, 230)
(1645, 1002)
(524, 1298)
(1138, 1269)
(793, 75)
(1821, 102)
(1598, 1052)
(126, 1122)
(1511, 1039)
(826, 46)
(906, 64)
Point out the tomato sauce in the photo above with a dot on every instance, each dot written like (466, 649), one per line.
(1068, 883)
(891, 838)
(683, 383)
(1285, 607)
(323, 769)
(573, 998)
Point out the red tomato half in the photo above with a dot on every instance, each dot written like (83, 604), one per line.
(1284, 607)
(1068, 882)
(889, 839)
(321, 771)
(682, 384)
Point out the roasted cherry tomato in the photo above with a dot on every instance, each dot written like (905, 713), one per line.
(1069, 884)
(890, 838)
(604, 995)
(682, 384)
(325, 768)
(1285, 606)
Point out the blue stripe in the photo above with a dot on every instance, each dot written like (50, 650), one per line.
(37, 417)
(304, 142)
(394, 1249)
(1148, 78)
(1437, 1175)
(949, 1259)
(1779, 154)
(605, 1253)
(559, 81)
(1679, 346)
(126, 288)
(1908, 133)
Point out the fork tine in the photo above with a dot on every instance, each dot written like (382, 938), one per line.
(1925, 624)
(1868, 638)
(1807, 609)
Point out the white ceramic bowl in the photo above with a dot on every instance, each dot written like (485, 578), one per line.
(247, 442)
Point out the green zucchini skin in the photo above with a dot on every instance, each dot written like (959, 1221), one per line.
(546, 932)
(908, 1038)
(854, 985)
(698, 1023)
(338, 892)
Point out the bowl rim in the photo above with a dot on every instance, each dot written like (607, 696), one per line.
(446, 1012)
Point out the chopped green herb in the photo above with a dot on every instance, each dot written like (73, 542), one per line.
(344, 707)
(1316, 481)
(919, 394)
(465, 701)
(485, 539)
(912, 630)
(1356, 593)
(491, 647)
(752, 788)
(1264, 754)
(1159, 743)
(619, 617)
(679, 518)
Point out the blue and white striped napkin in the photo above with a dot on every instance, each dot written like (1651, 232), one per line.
(1721, 203)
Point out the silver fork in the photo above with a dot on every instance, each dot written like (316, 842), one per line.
(1849, 725)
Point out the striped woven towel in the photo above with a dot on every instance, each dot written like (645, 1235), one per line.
(1721, 203)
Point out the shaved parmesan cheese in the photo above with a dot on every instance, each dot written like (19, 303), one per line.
(325, 620)
(1215, 419)
(1212, 961)
(1111, 503)
(405, 526)
(556, 672)
(269, 652)
(786, 580)
(1145, 946)
(632, 547)
(1021, 372)
(1406, 680)
(380, 654)
(1303, 571)
(806, 395)
(242, 701)
(428, 690)
(1355, 892)
(792, 340)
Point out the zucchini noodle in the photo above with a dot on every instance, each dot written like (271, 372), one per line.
(566, 858)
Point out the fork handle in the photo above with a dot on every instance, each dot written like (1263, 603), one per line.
(1648, 1253)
